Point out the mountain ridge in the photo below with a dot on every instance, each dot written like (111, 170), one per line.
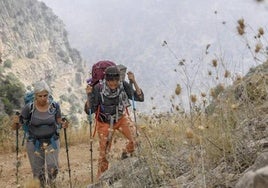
(35, 41)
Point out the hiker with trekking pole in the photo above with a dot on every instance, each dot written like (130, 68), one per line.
(109, 100)
(43, 118)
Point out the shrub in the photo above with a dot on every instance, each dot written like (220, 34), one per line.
(11, 92)
(8, 63)
(30, 55)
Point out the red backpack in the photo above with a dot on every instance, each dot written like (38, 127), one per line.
(98, 71)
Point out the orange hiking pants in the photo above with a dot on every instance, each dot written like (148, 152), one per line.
(123, 125)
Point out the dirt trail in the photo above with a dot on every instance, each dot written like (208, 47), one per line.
(79, 157)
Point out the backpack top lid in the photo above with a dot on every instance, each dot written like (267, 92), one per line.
(123, 70)
(98, 71)
(29, 97)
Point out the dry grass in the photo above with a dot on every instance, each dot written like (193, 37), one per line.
(201, 140)
(212, 133)
(7, 136)
(77, 136)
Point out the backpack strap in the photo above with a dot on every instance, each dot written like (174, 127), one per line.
(96, 122)
(26, 124)
(127, 111)
(121, 89)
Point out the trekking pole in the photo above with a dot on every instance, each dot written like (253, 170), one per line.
(17, 151)
(67, 153)
(91, 143)
(134, 107)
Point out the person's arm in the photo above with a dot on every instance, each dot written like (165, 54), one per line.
(95, 98)
(87, 105)
(92, 99)
(61, 121)
(137, 92)
(132, 80)
(19, 118)
(16, 124)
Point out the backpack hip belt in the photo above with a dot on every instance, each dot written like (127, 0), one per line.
(41, 143)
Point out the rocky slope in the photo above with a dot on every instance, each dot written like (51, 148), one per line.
(240, 113)
(33, 39)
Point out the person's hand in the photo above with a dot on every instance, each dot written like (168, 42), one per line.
(89, 89)
(15, 122)
(131, 76)
(64, 123)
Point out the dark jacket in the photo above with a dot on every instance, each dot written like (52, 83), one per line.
(108, 105)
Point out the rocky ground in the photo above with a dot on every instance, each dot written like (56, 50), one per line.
(79, 156)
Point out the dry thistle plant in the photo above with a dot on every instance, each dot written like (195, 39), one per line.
(214, 63)
(178, 89)
(213, 93)
(241, 27)
(193, 98)
(258, 47)
(203, 94)
(261, 32)
(227, 74)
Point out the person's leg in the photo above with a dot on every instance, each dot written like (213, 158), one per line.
(103, 131)
(123, 125)
(31, 155)
(133, 128)
(52, 160)
(37, 163)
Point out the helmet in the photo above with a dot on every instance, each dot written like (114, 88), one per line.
(112, 73)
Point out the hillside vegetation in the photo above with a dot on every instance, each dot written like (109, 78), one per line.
(33, 46)
(214, 143)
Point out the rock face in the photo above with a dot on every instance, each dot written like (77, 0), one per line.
(257, 175)
(33, 39)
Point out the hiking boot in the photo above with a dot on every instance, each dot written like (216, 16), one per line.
(124, 155)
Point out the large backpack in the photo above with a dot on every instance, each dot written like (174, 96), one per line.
(98, 71)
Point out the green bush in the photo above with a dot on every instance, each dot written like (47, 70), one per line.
(8, 63)
(11, 92)
(64, 98)
(8, 106)
(30, 55)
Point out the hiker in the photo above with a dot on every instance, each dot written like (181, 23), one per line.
(108, 100)
(42, 144)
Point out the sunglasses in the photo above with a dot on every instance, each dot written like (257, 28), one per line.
(40, 96)
(110, 77)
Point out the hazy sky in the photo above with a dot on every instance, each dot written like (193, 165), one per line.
(132, 32)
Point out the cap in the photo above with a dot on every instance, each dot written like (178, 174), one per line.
(112, 73)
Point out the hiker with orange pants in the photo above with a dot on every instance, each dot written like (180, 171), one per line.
(108, 100)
